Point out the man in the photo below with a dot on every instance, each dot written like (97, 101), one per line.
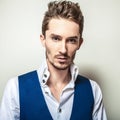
(55, 91)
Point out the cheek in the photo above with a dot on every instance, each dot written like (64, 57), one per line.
(72, 52)
(50, 49)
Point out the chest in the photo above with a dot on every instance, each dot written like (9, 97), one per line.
(59, 109)
(33, 105)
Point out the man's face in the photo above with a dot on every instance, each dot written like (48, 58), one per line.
(62, 40)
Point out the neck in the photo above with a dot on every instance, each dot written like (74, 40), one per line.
(58, 80)
(59, 76)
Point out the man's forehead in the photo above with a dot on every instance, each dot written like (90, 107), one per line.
(62, 22)
(63, 26)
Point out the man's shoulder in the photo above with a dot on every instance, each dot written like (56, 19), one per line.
(84, 78)
(94, 85)
(27, 73)
(14, 80)
(27, 77)
(81, 79)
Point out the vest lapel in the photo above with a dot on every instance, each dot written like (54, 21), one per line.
(83, 100)
(32, 102)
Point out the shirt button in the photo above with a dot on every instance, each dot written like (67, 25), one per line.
(60, 110)
(46, 92)
(43, 81)
(45, 75)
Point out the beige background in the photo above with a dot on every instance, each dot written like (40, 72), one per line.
(98, 58)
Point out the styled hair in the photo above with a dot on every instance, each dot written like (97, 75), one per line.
(63, 9)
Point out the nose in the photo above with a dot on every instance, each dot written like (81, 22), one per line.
(63, 48)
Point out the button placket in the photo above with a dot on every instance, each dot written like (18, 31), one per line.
(44, 78)
(45, 75)
(43, 81)
(59, 110)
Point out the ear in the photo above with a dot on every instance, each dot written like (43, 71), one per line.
(80, 43)
(42, 38)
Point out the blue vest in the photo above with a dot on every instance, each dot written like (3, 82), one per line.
(34, 107)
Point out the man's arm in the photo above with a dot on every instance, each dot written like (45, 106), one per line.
(98, 110)
(9, 109)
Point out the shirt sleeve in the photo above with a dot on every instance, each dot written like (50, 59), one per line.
(9, 109)
(98, 110)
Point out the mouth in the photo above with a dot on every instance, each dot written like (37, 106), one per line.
(62, 59)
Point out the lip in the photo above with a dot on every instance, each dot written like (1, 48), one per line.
(62, 59)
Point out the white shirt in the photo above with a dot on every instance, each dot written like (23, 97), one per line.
(10, 107)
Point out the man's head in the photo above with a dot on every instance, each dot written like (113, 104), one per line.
(62, 33)
(63, 9)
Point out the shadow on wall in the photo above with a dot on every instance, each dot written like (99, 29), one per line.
(91, 73)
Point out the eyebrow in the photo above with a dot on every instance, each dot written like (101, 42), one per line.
(71, 37)
(74, 37)
(55, 35)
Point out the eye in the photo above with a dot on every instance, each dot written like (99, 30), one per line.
(55, 38)
(72, 40)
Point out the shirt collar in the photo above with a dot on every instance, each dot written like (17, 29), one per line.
(43, 73)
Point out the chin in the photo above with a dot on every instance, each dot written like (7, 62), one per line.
(61, 66)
